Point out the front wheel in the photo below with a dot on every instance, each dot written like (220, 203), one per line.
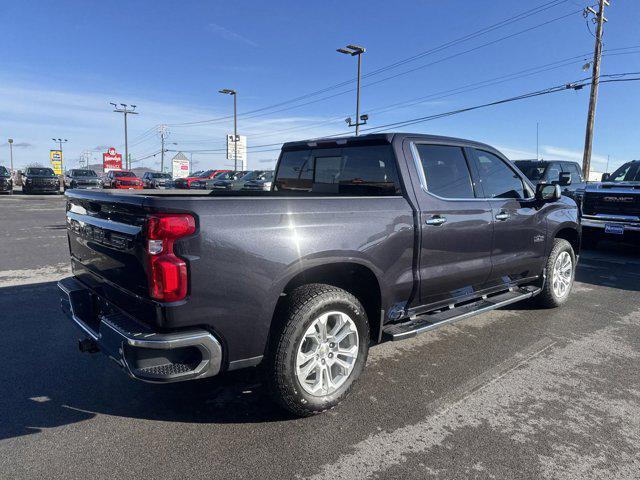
(318, 350)
(561, 272)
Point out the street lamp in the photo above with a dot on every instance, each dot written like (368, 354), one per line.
(60, 141)
(11, 153)
(355, 50)
(228, 91)
(126, 111)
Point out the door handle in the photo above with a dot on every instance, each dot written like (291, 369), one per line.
(436, 220)
(502, 216)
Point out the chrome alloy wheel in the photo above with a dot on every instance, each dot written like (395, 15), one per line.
(562, 273)
(327, 353)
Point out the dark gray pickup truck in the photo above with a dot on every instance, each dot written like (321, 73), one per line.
(611, 208)
(360, 239)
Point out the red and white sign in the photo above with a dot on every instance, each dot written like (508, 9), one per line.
(111, 160)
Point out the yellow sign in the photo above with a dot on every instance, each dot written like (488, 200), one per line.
(55, 156)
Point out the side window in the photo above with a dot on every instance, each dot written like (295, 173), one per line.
(553, 172)
(498, 179)
(446, 171)
(576, 174)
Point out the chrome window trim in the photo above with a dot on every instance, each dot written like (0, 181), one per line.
(423, 179)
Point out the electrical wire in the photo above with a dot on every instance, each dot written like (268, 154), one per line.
(490, 28)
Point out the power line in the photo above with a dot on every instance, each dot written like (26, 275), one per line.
(578, 85)
(450, 92)
(503, 23)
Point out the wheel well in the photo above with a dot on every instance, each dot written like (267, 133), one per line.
(571, 236)
(352, 277)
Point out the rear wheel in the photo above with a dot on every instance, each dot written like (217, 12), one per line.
(561, 269)
(318, 350)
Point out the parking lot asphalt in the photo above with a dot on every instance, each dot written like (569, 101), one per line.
(515, 393)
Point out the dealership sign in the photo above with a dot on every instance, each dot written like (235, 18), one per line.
(237, 150)
(180, 166)
(55, 156)
(111, 160)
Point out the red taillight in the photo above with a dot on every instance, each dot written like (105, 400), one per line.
(168, 280)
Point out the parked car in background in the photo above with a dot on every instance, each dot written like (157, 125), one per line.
(121, 179)
(6, 183)
(611, 208)
(359, 239)
(81, 178)
(157, 180)
(226, 181)
(196, 181)
(39, 180)
(564, 173)
(262, 180)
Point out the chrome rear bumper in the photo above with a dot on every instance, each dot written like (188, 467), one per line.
(145, 355)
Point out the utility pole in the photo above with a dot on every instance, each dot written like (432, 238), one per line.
(125, 111)
(234, 93)
(599, 19)
(537, 140)
(355, 50)
(60, 141)
(163, 131)
(11, 154)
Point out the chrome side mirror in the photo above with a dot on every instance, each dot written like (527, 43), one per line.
(548, 193)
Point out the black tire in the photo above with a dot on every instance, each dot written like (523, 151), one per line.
(25, 190)
(548, 298)
(303, 306)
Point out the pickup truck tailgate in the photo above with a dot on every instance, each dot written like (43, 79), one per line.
(106, 238)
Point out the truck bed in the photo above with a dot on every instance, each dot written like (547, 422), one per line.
(247, 247)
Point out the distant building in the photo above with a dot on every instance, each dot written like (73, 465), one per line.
(594, 176)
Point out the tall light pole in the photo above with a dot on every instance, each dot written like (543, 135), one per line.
(11, 154)
(228, 91)
(60, 141)
(125, 111)
(356, 51)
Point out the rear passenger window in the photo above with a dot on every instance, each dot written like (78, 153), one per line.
(357, 171)
(572, 168)
(446, 171)
(497, 178)
(553, 174)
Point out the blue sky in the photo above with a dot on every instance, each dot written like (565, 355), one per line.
(62, 62)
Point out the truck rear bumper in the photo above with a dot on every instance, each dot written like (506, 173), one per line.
(145, 355)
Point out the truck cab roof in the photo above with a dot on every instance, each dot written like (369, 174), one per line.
(377, 138)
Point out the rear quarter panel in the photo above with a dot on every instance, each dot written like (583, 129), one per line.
(248, 249)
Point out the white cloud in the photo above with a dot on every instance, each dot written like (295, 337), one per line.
(226, 34)
(598, 162)
(34, 114)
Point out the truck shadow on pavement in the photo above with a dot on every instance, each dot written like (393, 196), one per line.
(612, 265)
(48, 383)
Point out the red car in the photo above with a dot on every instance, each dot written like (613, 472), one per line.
(198, 180)
(122, 179)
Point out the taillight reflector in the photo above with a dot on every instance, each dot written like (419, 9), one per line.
(168, 279)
